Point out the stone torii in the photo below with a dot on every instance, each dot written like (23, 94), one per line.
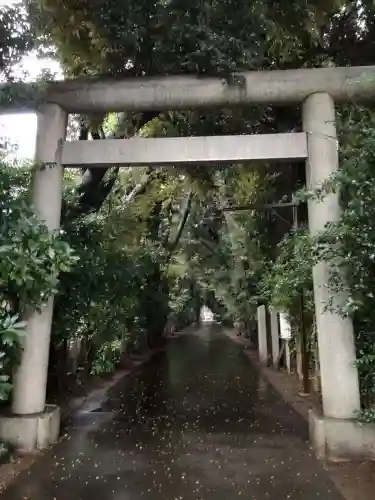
(316, 90)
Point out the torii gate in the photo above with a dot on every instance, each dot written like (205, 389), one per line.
(35, 425)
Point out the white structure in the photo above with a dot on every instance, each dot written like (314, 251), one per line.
(317, 89)
(31, 380)
(339, 375)
(262, 334)
(188, 150)
(207, 315)
(286, 335)
(185, 92)
(29, 396)
(275, 336)
(285, 328)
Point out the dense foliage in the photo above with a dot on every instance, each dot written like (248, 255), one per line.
(154, 244)
(31, 261)
(15, 36)
(355, 256)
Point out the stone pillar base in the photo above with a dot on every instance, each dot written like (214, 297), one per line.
(341, 440)
(31, 432)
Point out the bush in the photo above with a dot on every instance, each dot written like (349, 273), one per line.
(31, 261)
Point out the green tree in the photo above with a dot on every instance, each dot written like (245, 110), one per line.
(15, 37)
(31, 260)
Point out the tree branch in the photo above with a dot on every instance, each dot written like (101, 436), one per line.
(182, 224)
(207, 245)
(141, 186)
(93, 190)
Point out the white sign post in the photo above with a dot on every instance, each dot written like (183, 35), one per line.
(286, 335)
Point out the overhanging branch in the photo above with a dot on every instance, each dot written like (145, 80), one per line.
(93, 190)
(140, 188)
(182, 224)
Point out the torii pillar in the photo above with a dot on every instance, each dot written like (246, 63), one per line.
(32, 423)
(340, 386)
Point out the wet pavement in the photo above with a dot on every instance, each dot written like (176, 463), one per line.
(196, 424)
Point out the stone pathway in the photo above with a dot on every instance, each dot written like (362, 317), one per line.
(196, 424)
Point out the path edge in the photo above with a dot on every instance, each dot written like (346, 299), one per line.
(353, 480)
(22, 461)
